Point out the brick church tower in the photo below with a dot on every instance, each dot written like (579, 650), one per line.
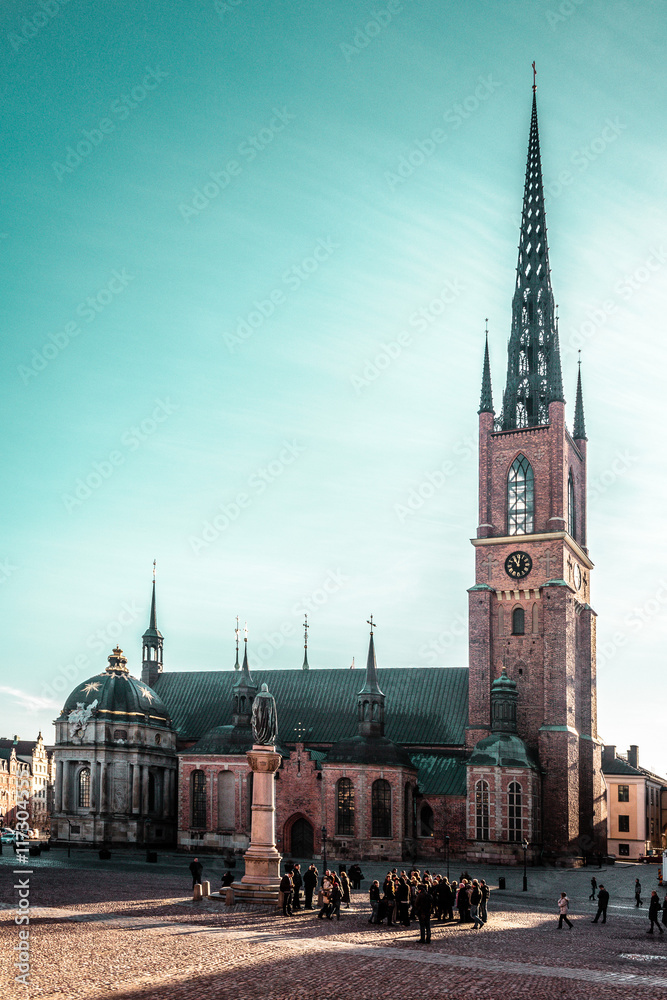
(529, 610)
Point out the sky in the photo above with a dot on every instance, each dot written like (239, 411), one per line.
(248, 254)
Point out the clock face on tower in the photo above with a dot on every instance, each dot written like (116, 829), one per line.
(518, 565)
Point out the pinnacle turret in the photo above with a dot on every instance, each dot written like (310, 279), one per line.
(370, 700)
(533, 365)
(244, 690)
(579, 428)
(152, 644)
(486, 397)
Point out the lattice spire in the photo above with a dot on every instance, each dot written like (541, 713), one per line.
(486, 397)
(533, 364)
(579, 429)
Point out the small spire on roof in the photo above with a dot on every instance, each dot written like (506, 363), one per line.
(579, 428)
(306, 626)
(237, 665)
(486, 397)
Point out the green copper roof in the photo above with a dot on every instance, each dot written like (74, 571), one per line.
(438, 775)
(424, 705)
(502, 750)
(376, 750)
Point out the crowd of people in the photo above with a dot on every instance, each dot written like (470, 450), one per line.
(403, 897)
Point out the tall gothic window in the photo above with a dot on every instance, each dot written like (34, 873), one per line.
(426, 821)
(482, 810)
(520, 497)
(226, 800)
(514, 812)
(518, 622)
(345, 808)
(83, 797)
(571, 513)
(198, 799)
(381, 808)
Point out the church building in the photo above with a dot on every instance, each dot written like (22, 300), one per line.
(415, 761)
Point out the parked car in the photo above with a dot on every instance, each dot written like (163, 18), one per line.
(651, 858)
(8, 837)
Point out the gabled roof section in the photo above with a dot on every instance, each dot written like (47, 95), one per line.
(425, 705)
(440, 775)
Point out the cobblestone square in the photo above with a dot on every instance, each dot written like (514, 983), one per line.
(126, 929)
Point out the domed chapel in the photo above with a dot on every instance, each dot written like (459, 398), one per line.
(477, 758)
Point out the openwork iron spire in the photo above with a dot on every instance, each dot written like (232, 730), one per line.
(486, 397)
(533, 365)
(306, 626)
(579, 429)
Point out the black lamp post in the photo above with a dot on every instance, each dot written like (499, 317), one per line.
(324, 849)
(524, 844)
(447, 853)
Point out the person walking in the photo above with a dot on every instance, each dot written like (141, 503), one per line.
(475, 900)
(336, 898)
(664, 911)
(653, 912)
(603, 902)
(389, 902)
(423, 907)
(309, 885)
(638, 893)
(196, 868)
(563, 907)
(486, 894)
(297, 883)
(594, 885)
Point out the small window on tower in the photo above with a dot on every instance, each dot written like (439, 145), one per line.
(518, 622)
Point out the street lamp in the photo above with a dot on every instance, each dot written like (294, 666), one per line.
(447, 853)
(524, 844)
(324, 849)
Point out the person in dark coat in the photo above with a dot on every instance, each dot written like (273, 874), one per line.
(297, 883)
(336, 898)
(227, 879)
(423, 907)
(388, 902)
(403, 900)
(594, 885)
(638, 893)
(446, 898)
(345, 887)
(486, 894)
(463, 902)
(286, 887)
(654, 912)
(196, 868)
(356, 876)
(475, 900)
(664, 911)
(374, 897)
(603, 902)
(310, 880)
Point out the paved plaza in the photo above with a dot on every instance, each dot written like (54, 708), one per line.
(127, 929)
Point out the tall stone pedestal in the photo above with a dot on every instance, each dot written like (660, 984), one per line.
(262, 860)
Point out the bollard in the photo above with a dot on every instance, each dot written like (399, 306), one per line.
(197, 891)
(229, 896)
(501, 883)
(206, 888)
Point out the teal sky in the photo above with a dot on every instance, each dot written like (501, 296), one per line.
(245, 378)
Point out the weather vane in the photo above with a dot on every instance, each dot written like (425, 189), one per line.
(236, 632)
(154, 561)
(369, 621)
(534, 77)
(306, 626)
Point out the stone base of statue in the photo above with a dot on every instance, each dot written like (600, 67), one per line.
(262, 860)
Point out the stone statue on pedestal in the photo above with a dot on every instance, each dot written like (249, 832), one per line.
(264, 718)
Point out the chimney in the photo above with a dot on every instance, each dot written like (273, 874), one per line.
(609, 754)
(633, 756)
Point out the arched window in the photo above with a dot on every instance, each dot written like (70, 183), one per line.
(571, 511)
(381, 808)
(198, 799)
(226, 801)
(520, 497)
(514, 812)
(83, 797)
(425, 821)
(345, 808)
(518, 622)
(482, 809)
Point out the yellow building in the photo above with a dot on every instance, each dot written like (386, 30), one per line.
(634, 805)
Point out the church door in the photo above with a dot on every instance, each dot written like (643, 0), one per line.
(301, 840)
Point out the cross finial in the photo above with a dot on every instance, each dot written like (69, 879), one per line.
(154, 561)
(245, 632)
(306, 626)
(236, 633)
(300, 731)
(369, 621)
(534, 77)
(487, 325)
(579, 361)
